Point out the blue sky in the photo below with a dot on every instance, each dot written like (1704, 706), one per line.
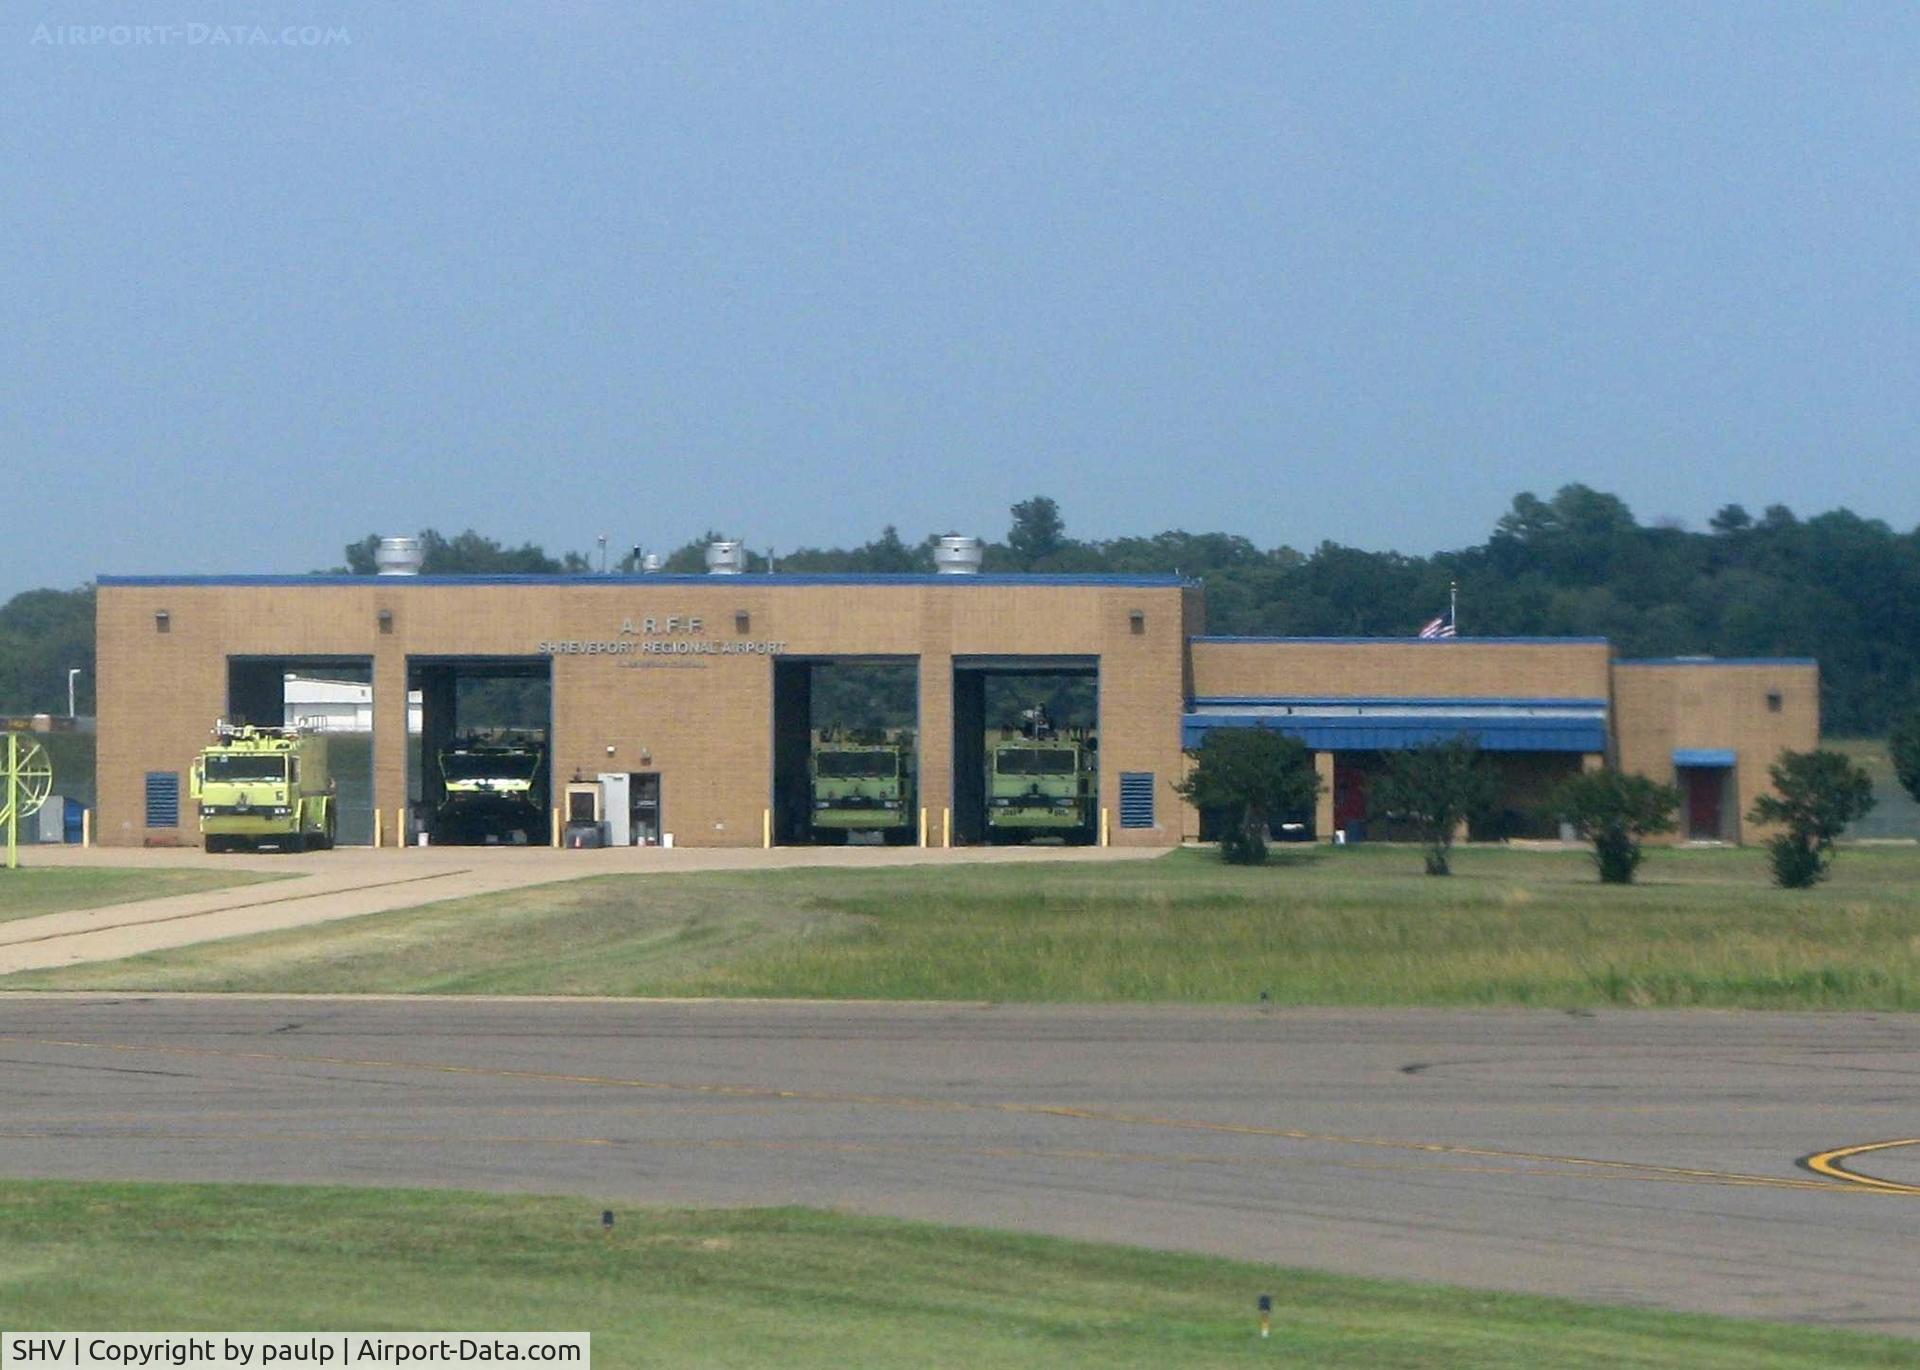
(799, 271)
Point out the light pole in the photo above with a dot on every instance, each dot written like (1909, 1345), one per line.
(73, 673)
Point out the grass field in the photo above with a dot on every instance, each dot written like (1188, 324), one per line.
(1356, 925)
(32, 891)
(786, 1287)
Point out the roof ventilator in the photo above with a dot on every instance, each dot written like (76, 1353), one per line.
(954, 555)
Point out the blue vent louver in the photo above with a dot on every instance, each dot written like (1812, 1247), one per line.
(1136, 799)
(163, 799)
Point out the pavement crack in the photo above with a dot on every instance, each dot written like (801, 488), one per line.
(109, 1070)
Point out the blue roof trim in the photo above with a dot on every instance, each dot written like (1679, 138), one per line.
(1425, 641)
(1721, 661)
(657, 578)
(1400, 701)
(1389, 734)
(1704, 756)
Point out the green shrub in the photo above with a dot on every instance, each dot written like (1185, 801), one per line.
(1816, 795)
(1614, 811)
(1904, 747)
(1795, 866)
(1250, 775)
(1437, 786)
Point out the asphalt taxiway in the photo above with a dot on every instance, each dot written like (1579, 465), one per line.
(1706, 1161)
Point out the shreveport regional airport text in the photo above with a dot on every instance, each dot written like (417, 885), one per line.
(148, 1351)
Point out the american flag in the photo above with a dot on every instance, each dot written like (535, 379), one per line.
(1440, 627)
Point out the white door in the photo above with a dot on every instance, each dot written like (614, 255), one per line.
(614, 804)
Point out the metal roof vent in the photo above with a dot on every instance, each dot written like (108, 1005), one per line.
(726, 558)
(954, 555)
(399, 557)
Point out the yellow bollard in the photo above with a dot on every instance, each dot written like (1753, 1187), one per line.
(1106, 827)
(400, 826)
(946, 827)
(376, 830)
(923, 826)
(556, 825)
(15, 801)
(86, 828)
(766, 828)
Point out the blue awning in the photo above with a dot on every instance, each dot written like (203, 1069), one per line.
(1493, 733)
(1703, 756)
(1374, 723)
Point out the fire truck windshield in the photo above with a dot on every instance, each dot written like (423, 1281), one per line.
(233, 767)
(1034, 761)
(486, 766)
(851, 765)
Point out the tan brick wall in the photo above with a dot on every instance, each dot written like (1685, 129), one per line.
(144, 678)
(706, 721)
(1441, 669)
(935, 774)
(1659, 707)
(1139, 673)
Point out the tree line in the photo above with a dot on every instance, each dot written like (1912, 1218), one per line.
(1834, 586)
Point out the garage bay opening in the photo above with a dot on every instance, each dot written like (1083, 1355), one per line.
(482, 772)
(846, 752)
(1026, 750)
(326, 702)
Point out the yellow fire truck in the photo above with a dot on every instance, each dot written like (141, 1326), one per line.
(264, 787)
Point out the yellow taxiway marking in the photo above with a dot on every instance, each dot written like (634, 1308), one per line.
(1834, 1163)
(1840, 1181)
(916, 1150)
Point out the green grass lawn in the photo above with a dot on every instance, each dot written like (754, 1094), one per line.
(789, 1287)
(1357, 925)
(34, 890)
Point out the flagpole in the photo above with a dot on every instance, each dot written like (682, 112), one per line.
(1453, 606)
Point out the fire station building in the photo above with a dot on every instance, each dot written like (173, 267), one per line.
(699, 689)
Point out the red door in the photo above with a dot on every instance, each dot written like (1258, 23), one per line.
(1349, 799)
(1704, 788)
